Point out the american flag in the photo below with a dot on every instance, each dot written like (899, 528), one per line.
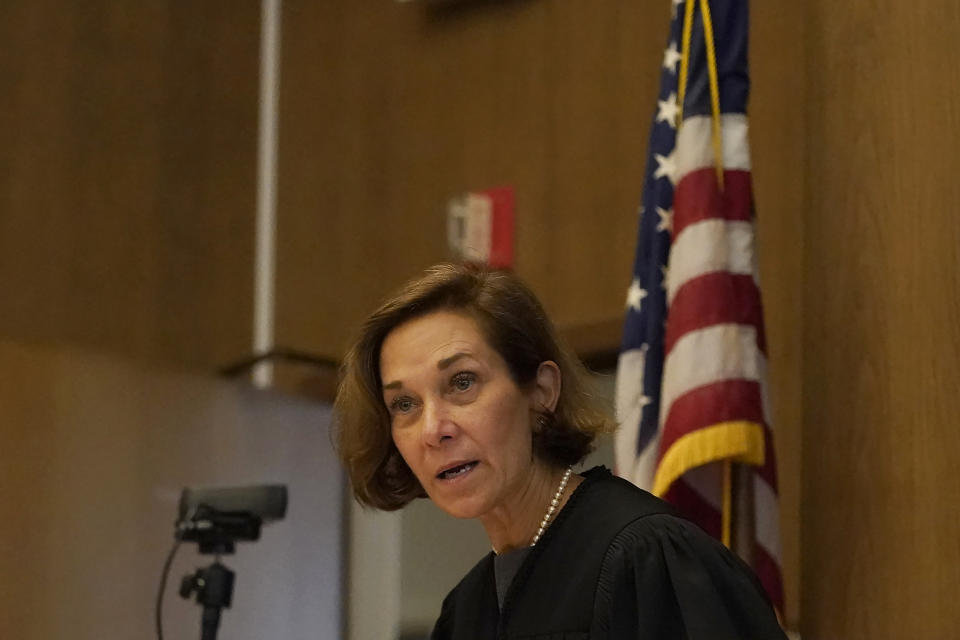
(691, 377)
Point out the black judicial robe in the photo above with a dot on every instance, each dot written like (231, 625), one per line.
(615, 564)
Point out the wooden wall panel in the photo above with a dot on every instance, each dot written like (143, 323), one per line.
(127, 176)
(777, 142)
(388, 110)
(881, 510)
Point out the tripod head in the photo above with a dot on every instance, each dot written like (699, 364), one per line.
(217, 532)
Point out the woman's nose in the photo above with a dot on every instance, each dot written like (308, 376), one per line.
(438, 424)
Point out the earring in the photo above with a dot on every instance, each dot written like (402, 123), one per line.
(542, 423)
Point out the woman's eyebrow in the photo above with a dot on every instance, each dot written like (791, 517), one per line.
(446, 362)
(441, 365)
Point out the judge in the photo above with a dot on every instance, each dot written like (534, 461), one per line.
(458, 390)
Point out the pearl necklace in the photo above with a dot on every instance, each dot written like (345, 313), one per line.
(553, 505)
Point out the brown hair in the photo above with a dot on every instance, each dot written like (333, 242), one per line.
(512, 320)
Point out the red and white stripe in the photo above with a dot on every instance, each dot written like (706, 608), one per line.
(715, 346)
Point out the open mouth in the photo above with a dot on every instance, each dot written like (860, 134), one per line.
(458, 470)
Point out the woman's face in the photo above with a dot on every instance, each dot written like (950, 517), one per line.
(459, 421)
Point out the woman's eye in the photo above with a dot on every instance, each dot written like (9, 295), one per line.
(462, 381)
(401, 405)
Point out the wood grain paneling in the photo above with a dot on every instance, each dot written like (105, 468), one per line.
(881, 511)
(777, 65)
(388, 110)
(127, 176)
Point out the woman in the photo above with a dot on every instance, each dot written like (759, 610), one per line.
(459, 390)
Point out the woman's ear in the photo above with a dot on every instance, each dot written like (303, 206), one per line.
(546, 392)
